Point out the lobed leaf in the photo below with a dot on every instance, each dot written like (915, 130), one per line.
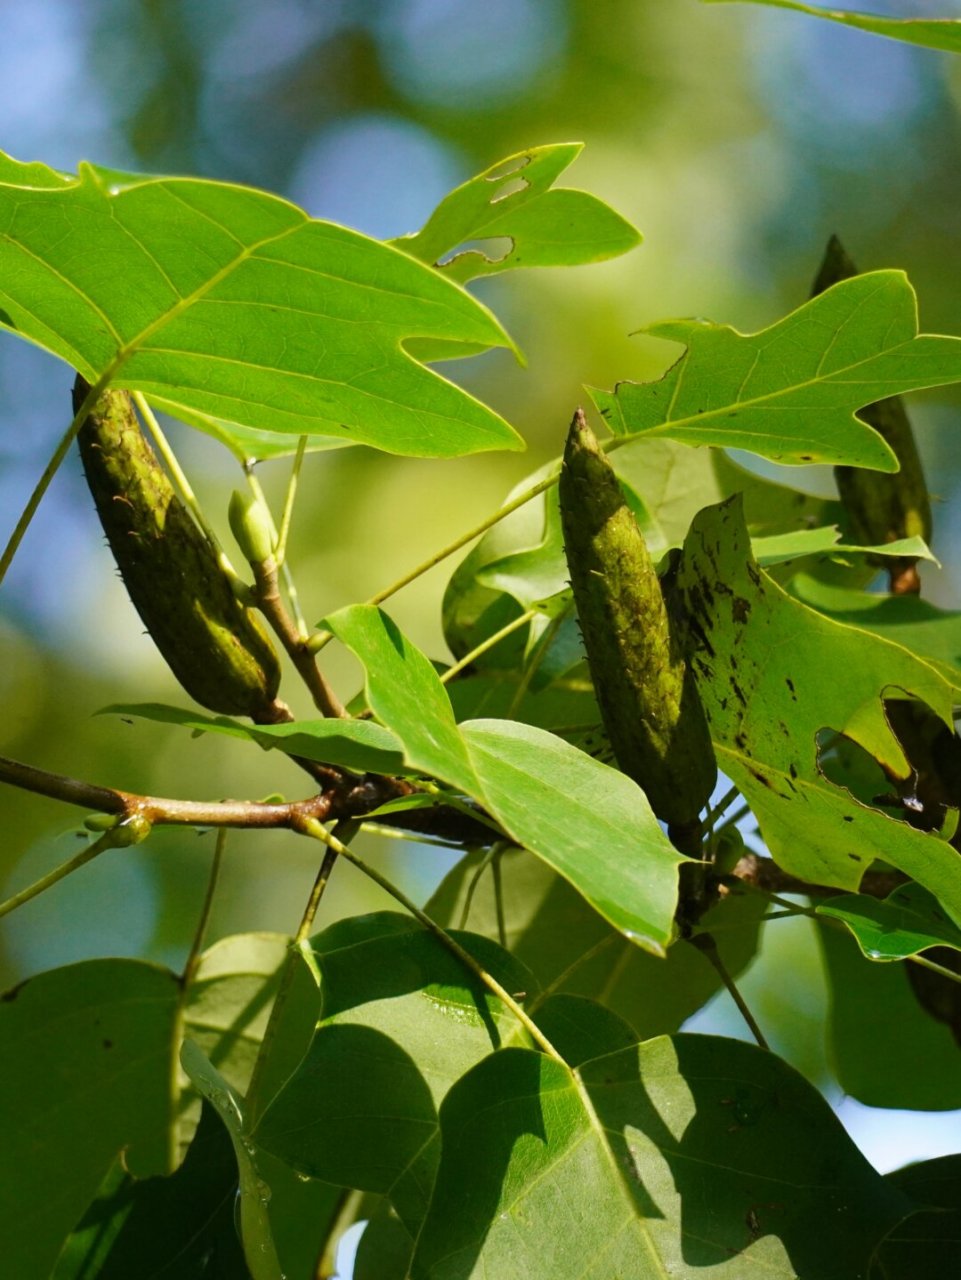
(773, 675)
(88, 1052)
(664, 1158)
(790, 392)
(525, 223)
(231, 308)
(932, 33)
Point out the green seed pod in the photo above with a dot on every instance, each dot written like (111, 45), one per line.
(217, 648)
(251, 526)
(647, 697)
(881, 507)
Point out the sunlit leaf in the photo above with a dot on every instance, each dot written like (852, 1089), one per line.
(666, 1158)
(933, 33)
(905, 923)
(226, 305)
(910, 621)
(84, 1075)
(524, 222)
(790, 392)
(773, 675)
(548, 796)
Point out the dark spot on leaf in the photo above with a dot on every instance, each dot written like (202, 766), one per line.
(107, 1044)
(741, 739)
(740, 609)
(737, 691)
(764, 781)
(806, 457)
(753, 574)
(784, 729)
(792, 770)
(790, 684)
(848, 818)
(855, 857)
(605, 413)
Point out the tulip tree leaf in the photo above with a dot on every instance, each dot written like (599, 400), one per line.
(240, 310)
(525, 222)
(903, 924)
(548, 796)
(930, 632)
(676, 1157)
(92, 1045)
(572, 949)
(932, 33)
(790, 392)
(401, 1020)
(772, 675)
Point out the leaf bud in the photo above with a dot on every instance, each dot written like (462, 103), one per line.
(252, 527)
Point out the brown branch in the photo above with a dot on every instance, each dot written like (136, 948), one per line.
(766, 875)
(344, 796)
(271, 605)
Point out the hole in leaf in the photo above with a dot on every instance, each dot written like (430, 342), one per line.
(506, 168)
(493, 249)
(932, 789)
(509, 189)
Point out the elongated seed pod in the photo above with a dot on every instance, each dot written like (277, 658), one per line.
(214, 645)
(648, 701)
(881, 507)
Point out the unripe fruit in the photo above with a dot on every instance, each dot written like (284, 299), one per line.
(648, 700)
(729, 849)
(217, 648)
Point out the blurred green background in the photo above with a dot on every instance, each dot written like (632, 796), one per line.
(736, 138)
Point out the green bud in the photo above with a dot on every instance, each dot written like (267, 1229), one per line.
(252, 527)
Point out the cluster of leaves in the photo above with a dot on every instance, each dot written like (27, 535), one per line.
(500, 1083)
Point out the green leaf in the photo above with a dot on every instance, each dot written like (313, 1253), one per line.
(769, 674)
(548, 796)
(402, 1019)
(905, 923)
(923, 628)
(255, 1193)
(85, 1074)
(238, 309)
(789, 392)
(526, 224)
(588, 821)
(572, 949)
(230, 999)
(176, 1228)
(780, 547)
(884, 1049)
(359, 745)
(665, 1158)
(932, 33)
(919, 1245)
(404, 691)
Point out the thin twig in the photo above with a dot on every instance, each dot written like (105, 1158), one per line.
(706, 944)
(122, 836)
(196, 945)
(51, 469)
(347, 832)
(291, 496)
(489, 643)
(316, 830)
(273, 609)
